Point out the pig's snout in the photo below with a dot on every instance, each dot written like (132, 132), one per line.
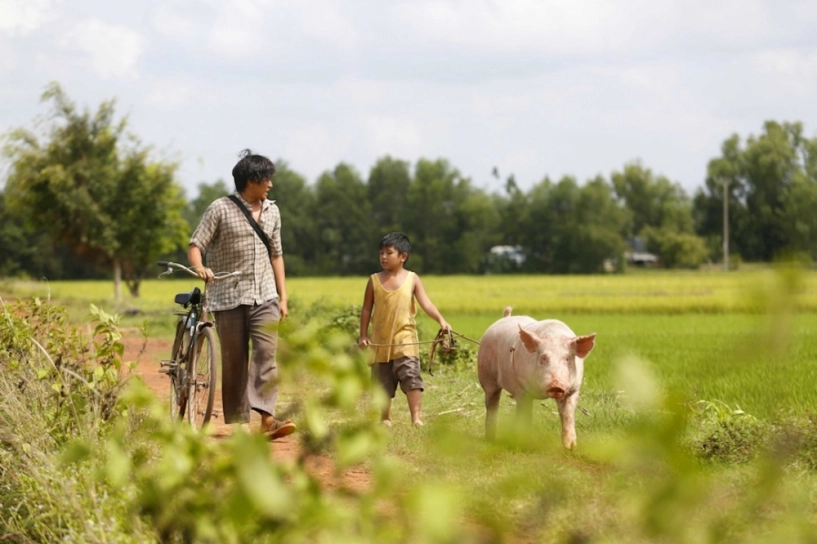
(555, 391)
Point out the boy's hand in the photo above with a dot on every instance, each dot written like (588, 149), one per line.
(445, 326)
(364, 342)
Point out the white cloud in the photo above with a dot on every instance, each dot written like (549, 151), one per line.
(114, 49)
(793, 72)
(328, 23)
(392, 135)
(20, 17)
(239, 30)
(169, 95)
(314, 144)
(175, 21)
(535, 87)
(558, 27)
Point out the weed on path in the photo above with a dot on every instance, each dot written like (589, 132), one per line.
(150, 353)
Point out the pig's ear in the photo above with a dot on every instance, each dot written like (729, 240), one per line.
(530, 339)
(584, 344)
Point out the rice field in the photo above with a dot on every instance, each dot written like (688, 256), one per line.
(744, 341)
(745, 338)
(643, 292)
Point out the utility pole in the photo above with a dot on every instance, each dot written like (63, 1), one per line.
(725, 225)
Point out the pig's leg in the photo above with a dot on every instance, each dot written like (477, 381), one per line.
(524, 409)
(567, 411)
(491, 408)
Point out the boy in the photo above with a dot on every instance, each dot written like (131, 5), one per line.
(394, 333)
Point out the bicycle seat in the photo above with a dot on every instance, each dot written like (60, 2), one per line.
(185, 299)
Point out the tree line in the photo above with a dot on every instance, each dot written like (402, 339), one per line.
(84, 198)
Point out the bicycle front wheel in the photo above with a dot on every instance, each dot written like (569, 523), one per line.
(201, 377)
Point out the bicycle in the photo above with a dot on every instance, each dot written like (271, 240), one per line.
(192, 363)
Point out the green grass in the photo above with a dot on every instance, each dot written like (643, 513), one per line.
(759, 357)
(654, 292)
(743, 339)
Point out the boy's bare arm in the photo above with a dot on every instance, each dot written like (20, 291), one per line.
(428, 306)
(366, 314)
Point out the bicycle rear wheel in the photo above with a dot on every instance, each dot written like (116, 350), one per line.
(202, 379)
(178, 395)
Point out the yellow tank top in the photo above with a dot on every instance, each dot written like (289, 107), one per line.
(393, 320)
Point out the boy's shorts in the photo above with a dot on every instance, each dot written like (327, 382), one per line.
(403, 370)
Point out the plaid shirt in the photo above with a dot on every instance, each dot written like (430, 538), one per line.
(229, 243)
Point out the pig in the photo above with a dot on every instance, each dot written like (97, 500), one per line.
(532, 360)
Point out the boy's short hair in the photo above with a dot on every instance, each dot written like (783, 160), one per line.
(251, 167)
(398, 241)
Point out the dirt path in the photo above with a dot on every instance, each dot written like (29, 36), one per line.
(288, 448)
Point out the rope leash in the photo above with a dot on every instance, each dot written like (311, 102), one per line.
(443, 339)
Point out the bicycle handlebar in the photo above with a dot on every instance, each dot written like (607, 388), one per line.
(172, 267)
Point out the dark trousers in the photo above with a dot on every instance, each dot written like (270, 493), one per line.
(249, 377)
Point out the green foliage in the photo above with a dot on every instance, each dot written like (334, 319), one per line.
(346, 241)
(81, 374)
(570, 229)
(461, 354)
(112, 205)
(299, 234)
(676, 249)
(388, 185)
(730, 435)
(107, 200)
(207, 194)
(648, 468)
(346, 320)
(770, 181)
(61, 392)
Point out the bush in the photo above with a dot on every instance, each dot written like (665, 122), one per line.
(60, 394)
(82, 460)
(676, 249)
(730, 435)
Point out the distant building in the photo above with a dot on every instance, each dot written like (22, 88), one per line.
(638, 255)
(640, 258)
(504, 259)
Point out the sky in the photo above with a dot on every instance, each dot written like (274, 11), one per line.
(532, 88)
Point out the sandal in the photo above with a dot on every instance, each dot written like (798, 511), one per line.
(279, 429)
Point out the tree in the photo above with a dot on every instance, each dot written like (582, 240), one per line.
(94, 187)
(588, 229)
(347, 241)
(661, 213)
(147, 207)
(767, 178)
(512, 207)
(429, 218)
(26, 251)
(568, 229)
(208, 193)
(387, 190)
(477, 228)
(299, 234)
(536, 223)
(799, 204)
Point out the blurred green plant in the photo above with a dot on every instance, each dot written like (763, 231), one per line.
(130, 474)
(730, 434)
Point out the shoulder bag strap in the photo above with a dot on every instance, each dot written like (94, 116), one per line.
(253, 223)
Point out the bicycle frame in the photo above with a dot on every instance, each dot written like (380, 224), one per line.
(193, 344)
(198, 314)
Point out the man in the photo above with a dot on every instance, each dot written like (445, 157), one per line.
(247, 309)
